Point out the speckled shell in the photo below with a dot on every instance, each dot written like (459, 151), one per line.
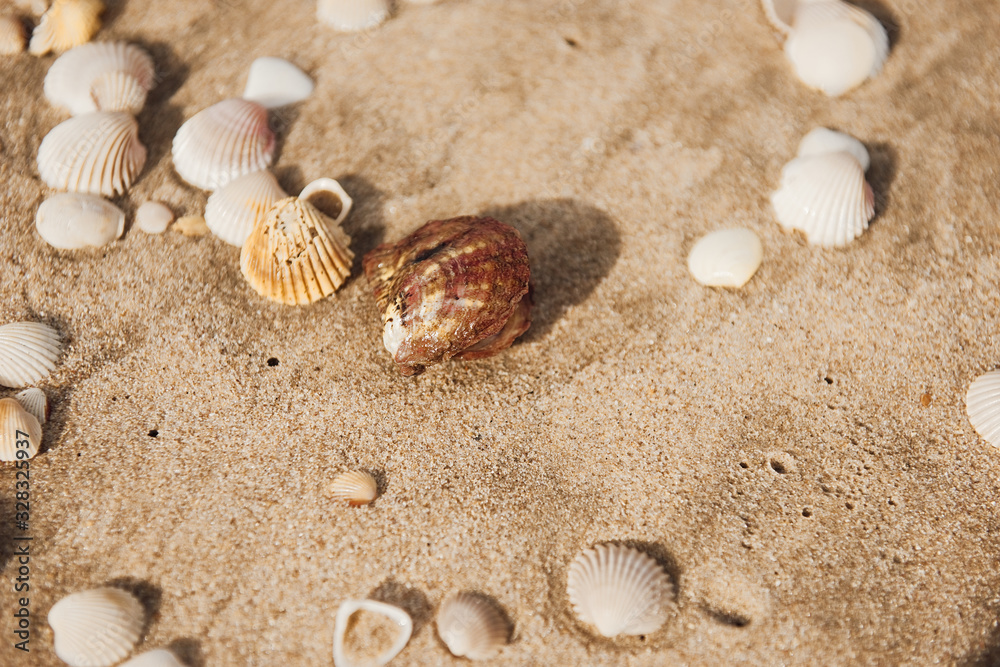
(33, 400)
(471, 626)
(12, 35)
(19, 431)
(235, 209)
(448, 287)
(66, 24)
(355, 487)
(70, 221)
(96, 628)
(160, 657)
(28, 352)
(101, 76)
(822, 140)
(352, 15)
(982, 404)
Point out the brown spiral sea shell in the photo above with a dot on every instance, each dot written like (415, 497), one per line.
(455, 288)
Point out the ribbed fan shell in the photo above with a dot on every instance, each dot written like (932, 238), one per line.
(235, 209)
(82, 74)
(68, 23)
(982, 404)
(471, 626)
(12, 35)
(96, 628)
(17, 425)
(28, 353)
(356, 488)
(33, 400)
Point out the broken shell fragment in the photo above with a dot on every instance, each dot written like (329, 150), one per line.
(356, 488)
(96, 628)
(100, 76)
(153, 217)
(28, 353)
(781, 13)
(20, 432)
(822, 140)
(235, 209)
(191, 225)
(71, 220)
(275, 82)
(66, 24)
(982, 405)
(399, 618)
(352, 15)
(12, 35)
(726, 258)
(471, 626)
(33, 400)
(160, 657)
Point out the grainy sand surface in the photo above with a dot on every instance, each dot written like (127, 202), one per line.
(773, 445)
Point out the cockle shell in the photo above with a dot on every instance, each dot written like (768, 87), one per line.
(96, 628)
(399, 618)
(619, 590)
(356, 488)
(66, 24)
(98, 153)
(982, 404)
(71, 220)
(33, 400)
(20, 432)
(101, 76)
(471, 626)
(822, 140)
(352, 15)
(160, 657)
(224, 141)
(275, 82)
(235, 209)
(153, 217)
(455, 288)
(726, 258)
(12, 35)
(28, 352)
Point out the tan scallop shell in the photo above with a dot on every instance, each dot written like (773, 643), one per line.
(96, 628)
(101, 76)
(12, 35)
(20, 432)
(160, 657)
(97, 153)
(28, 352)
(68, 23)
(352, 15)
(982, 404)
(235, 209)
(33, 400)
(355, 487)
(471, 626)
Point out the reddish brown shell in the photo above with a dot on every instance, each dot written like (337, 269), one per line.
(453, 288)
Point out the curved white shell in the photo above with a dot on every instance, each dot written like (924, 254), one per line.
(66, 24)
(322, 189)
(160, 657)
(352, 15)
(400, 619)
(71, 220)
(153, 217)
(28, 352)
(226, 140)
(619, 590)
(355, 487)
(826, 197)
(96, 628)
(726, 258)
(234, 209)
(98, 153)
(822, 140)
(982, 404)
(34, 402)
(12, 35)
(274, 82)
(19, 431)
(94, 75)
(471, 627)
(781, 13)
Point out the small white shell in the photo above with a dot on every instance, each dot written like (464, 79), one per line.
(726, 258)
(33, 400)
(619, 590)
(12, 35)
(66, 24)
(234, 209)
(226, 140)
(101, 76)
(982, 404)
(355, 487)
(400, 619)
(821, 140)
(471, 626)
(98, 153)
(321, 191)
(20, 432)
(352, 15)
(28, 353)
(826, 197)
(96, 628)
(274, 82)
(70, 221)
(160, 657)
(153, 217)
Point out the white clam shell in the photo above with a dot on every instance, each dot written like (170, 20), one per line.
(275, 82)
(224, 141)
(20, 432)
(982, 404)
(826, 197)
(99, 76)
(34, 401)
(96, 628)
(352, 15)
(471, 626)
(153, 217)
(234, 209)
(70, 221)
(28, 353)
(822, 140)
(355, 487)
(726, 258)
(619, 590)
(160, 657)
(97, 153)
(66, 24)
(399, 618)
(12, 35)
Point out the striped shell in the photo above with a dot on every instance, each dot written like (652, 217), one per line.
(101, 76)
(20, 432)
(726, 258)
(821, 141)
(98, 153)
(399, 618)
(274, 82)
(235, 209)
(33, 400)
(66, 24)
(160, 657)
(982, 404)
(455, 288)
(471, 626)
(96, 628)
(222, 142)
(12, 35)
(352, 15)
(355, 487)
(619, 590)
(153, 217)
(71, 220)
(28, 353)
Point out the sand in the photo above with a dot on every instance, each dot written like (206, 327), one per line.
(795, 452)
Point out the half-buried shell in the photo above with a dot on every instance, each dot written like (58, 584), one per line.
(34, 402)
(352, 15)
(96, 628)
(20, 432)
(66, 24)
(355, 487)
(726, 258)
(982, 404)
(472, 626)
(101, 76)
(28, 352)
(71, 220)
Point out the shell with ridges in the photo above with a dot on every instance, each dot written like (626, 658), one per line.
(12, 35)
(822, 140)
(352, 15)
(275, 82)
(71, 220)
(982, 405)
(471, 626)
(96, 628)
(87, 78)
(160, 657)
(355, 487)
(235, 209)
(399, 618)
(28, 352)
(118, 91)
(66, 24)
(20, 432)
(726, 258)
(34, 401)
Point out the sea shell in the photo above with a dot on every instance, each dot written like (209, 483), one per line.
(982, 404)
(781, 13)
(33, 400)
(355, 487)
(96, 628)
(826, 197)
(471, 626)
(821, 140)
(226, 140)
(101, 76)
(619, 590)
(28, 353)
(160, 657)
(450, 290)
(96, 153)
(399, 618)
(71, 220)
(352, 15)
(20, 432)
(274, 82)
(726, 258)
(12, 35)
(153, 217)
(296, 255)
(235, 209)
(68, 23)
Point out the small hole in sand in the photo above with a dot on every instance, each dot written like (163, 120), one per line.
(744, 464)
(849, 505)
(154, 433)
(807, 512)
(828, 380)
(572, 42)
(273, 361)
(778, 466)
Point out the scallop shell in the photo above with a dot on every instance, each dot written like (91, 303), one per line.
(101, 76)
(352, 15)
(96, 153)
(96, 628)
(821, 140)
(70, 221)
(274, 82)
(222, 142)
(619, 590)
(160, 657)
(400, 619)
(235, 209)
(153, 217)
(12, 35)
(66, 24)
(471, 626)
(33, 400)
(296, 255)
(20, 432)
(355, 487)
(28, 353)
(726, 258)
(826, 197)
(982, 404)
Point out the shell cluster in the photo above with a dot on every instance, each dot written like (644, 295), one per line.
(471, 626)
(96, 628)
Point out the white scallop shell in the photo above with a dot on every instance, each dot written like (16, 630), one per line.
(400, 619)
(99, 76)
(71, 220)
(982, 404)
(355, 487)
(96, 628)
(28, 352)
(98, 153)
(33, 400)
(619, 590)
(160, 657)
(12, 35)
(726, 258)
(153, 217)
(471, 626)
(234, 209)
(274, 82)
(826, 197)
(20, 432)
(821, 140)
(226, 140)
(66, 24)
(352, 15)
